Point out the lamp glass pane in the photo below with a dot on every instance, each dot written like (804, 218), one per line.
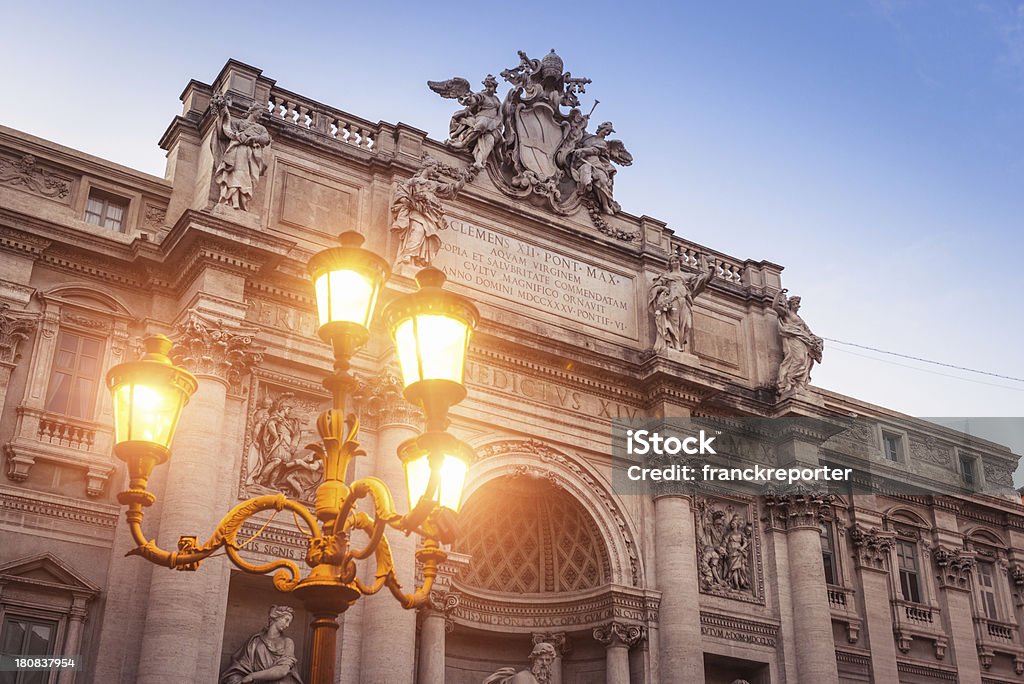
(345, 296)
(145, 413)
(453, 479)
(417, 477)
(434, 348)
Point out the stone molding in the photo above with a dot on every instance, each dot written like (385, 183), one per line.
(502, 613)
(743, 630)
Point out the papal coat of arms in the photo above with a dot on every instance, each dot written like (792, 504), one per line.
(531, 147)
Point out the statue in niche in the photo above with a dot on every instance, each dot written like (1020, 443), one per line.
(800, 347)
(267, 656)
(475, 126)
(542, 660)
(724, 541)
(239, 148)
(418, 216)
(671, 301)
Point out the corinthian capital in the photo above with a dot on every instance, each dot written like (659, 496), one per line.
(796, 506)
(15, 328)
(381, 402)
(215, 349)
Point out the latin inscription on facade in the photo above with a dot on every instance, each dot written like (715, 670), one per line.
(555, 286)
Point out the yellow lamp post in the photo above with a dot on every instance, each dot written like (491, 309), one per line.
(431, 329)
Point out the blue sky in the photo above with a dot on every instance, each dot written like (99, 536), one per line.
(875, 149)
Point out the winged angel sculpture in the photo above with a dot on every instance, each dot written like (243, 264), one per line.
(531, 147)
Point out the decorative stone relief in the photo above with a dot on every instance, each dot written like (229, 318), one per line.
(671, 301)
(954, 567)
(266, 649)
(998, 475)
(727, 550)
(738, 629)
(15, 328)
(240, 147)
(626, 634)
(279, 426)
(542, 661)
(928, 449)
(560, 640)
(872, 546)
(800, 347)
(214, 348)
(154, 217)
(530, 147)
(25, 174)
(417, 215)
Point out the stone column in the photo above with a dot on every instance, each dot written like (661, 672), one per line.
(798, 516)
(389, 631)
(73, 637)
(872, 551)
(680, 652)
(562, 647)
(954, 570)
(618, 638)
(174, 641)
(434, 625)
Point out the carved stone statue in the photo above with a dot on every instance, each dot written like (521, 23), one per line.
(723, 549)
(417, 214)
(531, 147)
(592, 169)
(475, 127)
(671, 301)
(239, 148)
(800, 347)
(267, 656)
(542, 659)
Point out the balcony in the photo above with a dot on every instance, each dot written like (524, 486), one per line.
(917, 620)
(996, 636)
(843, 606)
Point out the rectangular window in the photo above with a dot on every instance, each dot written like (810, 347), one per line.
(26, 637)
(75, 376)
(104, 209)
(891, 444)
(910, 587)
(986, 586)
(967, 467)
(828, 553)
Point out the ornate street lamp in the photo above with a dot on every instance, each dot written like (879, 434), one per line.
(431, 329)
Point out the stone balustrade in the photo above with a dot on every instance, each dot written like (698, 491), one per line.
(322, 119)
(725, 268)
(63, 431)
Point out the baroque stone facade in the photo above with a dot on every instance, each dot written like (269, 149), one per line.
(590, 315)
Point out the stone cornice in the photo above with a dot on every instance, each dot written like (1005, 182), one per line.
(744, 630)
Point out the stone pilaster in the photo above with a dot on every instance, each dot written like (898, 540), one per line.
(872, 552)
(953, 572)
(185, 611)
(798, 515)
(563, 646)
(680, 652)
(394, 421)
(618, 638)
(433, 627)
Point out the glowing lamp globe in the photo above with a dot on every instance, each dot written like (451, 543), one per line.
(148, 397)
(431, 329)
(435, 466)
(347, 280)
